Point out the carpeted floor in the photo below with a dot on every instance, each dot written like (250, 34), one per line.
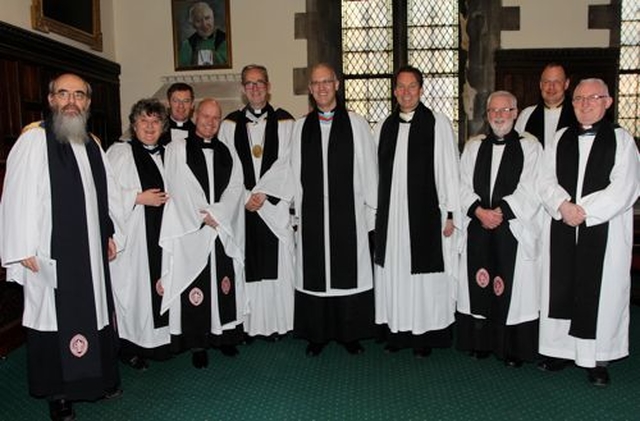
(276, 381)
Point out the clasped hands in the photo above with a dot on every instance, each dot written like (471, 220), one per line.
(572, 214)
(489, 218)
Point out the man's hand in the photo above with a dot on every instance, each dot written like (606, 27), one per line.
(255, 202)
(30, 263)
(152, 197)
(489, 218)
(572, 214)
(112, 249)
(448, 228)
(208, 219)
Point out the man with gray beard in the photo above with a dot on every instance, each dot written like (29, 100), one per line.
(56, 238)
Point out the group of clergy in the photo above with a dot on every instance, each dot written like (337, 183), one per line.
(320, 226)
(219, 231)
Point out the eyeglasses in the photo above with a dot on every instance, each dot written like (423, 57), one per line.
(316, 83)
(259, 84)
(591, 99)
(500, 110)
(185, 101)
(64, 95)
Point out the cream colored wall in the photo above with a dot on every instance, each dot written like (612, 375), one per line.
(554, 24)
(18, 13)
(261, 32)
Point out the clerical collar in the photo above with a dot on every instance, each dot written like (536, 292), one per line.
(153, 149)
(557, 107)
(206, 143)
(255, 115)
(179, 124)
(407, 117)
(326, 115)
(589, 130)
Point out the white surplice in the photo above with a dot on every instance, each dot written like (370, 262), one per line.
(419, 303)
(130, 271)
(187, 245)
(613, 204)
(525, 227)
(365, 192)
(270, 300)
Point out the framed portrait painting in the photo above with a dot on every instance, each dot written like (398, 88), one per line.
(201, 34)
(77, 20)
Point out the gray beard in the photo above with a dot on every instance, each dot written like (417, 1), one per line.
(70, 129)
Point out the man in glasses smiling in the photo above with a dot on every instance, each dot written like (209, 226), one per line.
(261, 136)
(587, 238)
(56, 236)
(334, 164)
(498, 285)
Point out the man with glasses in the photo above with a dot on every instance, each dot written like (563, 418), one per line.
(334, 165)
(587, 238)
(181, 103)
(261, 136)
(418, 208)
(553, 112)
(56, 240)
(498, 286)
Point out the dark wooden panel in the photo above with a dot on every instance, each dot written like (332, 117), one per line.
(27, 64)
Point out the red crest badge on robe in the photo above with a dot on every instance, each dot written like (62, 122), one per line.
(196, 296)
(159, 288)
(482, 278)
(225, 285)
(498, 286)
(78, 345)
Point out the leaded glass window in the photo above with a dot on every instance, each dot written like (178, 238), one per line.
(629, 82)
(431, 35)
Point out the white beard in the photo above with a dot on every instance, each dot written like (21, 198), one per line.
(70, 128)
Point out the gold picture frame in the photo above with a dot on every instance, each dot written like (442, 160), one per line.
(201, 34)
(77, 20)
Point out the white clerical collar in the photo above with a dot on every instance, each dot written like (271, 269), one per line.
(407, 117)
(179, 123)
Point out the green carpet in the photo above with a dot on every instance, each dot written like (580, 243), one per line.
(276, 381)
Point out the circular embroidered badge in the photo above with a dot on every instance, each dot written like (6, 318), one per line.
(225, 285)
(159, 288)
(78, 345)
(196, 296)
(498, 286)
(482, 278)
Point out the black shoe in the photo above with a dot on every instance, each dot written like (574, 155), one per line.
(479, 355)
(229, 350)
(391, 349)
(113, 393)
(513, 362)
(138, 363)
(553, 364)
(61, 410)
(353, 347)
(248, 340)
(422, 352)
(598, 376)
(314, 349)
(200, 358)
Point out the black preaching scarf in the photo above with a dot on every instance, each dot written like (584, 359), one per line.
(576, 269)
(535, 123)
(75, 302)
(425, 226)
(261, 245)
(150, 178)
(493, 250)
(342, 219)
(225, 275)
